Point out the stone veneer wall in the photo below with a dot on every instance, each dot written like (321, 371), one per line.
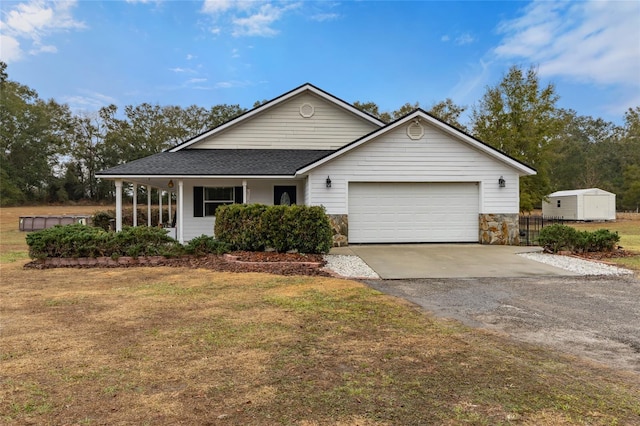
(500, 229)
(340, 227)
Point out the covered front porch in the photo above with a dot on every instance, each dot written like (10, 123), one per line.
(191, 201)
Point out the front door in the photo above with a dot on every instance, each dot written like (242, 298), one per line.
(284, 195)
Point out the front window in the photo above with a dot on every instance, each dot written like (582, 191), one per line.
(215, 197)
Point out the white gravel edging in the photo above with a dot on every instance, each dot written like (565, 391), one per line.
(349, 266)
(579, 266)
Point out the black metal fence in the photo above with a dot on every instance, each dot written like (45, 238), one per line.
(530, 227)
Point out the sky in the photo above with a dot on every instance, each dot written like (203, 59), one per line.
(90, 54)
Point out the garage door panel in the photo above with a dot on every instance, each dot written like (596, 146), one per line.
(413, 212)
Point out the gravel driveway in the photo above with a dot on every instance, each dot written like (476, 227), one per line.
(596, 317)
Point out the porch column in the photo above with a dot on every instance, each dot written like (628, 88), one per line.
(135, 204)
(169, 206)
(160, 206)
(180, 212)
(244, 191)
(118, 205)
(149, 189)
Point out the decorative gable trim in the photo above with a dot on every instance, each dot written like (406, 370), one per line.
(415, 130)
(307, 87)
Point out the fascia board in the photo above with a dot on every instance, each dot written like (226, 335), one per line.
(113, 177)
(276, 101)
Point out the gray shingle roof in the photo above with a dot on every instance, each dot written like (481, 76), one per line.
(220, 162)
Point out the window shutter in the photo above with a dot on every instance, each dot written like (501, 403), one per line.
(198, 201)
(238, 195)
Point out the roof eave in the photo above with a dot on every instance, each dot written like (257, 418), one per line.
(178, 176)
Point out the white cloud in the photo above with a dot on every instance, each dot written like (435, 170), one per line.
(196, 80)
(9, 49)
(181, 70)
(592, 42)
(31, 22)
(464, 38)
(231, 84)
(88, 101)
(217, 6)
(323, 17)
(248, 18)
(460, 39)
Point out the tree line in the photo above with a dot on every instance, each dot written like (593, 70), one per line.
(51, 155)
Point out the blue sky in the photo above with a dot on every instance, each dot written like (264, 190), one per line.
(93, 53)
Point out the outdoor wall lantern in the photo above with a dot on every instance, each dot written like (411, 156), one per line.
(328, 182)
(501, 182)
(170, 184)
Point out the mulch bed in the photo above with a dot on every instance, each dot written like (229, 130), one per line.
(266, 262)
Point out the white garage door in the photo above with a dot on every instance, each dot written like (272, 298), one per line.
(413, 212)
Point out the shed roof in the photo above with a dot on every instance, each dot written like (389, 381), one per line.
(219, 162)
(587, 191)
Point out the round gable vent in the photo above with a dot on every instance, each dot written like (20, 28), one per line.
(306, 110)
(415, 130)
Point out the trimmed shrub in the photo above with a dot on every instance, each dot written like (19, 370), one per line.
(67, 241)
(204, 244)
(309, 229)
(600, 240)
(240, 226)
(558, 237)
(255, 227)
(86, 241)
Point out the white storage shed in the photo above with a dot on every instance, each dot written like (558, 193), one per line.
(581, 204)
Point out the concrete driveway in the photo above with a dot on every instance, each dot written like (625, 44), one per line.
(406, 261)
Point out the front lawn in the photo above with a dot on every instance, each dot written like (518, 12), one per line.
(182, 346)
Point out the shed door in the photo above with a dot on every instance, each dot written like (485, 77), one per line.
(413, 212)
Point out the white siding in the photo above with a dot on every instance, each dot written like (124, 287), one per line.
(436, 157)
(568, 208)
(282, 127)
(259, 191)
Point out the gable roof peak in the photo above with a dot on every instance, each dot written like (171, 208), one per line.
(277, 101)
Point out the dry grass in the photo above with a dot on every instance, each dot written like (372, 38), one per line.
(179, 346)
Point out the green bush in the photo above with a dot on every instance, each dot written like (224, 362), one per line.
(255, 227)
(309, 229)
(67, 241)
(558, 237)
(204, 245)
(600, 240)
(240, 226)
(87, 241)
(103, 219)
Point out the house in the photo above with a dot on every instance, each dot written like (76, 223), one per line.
(415, 180)
(581, 204)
